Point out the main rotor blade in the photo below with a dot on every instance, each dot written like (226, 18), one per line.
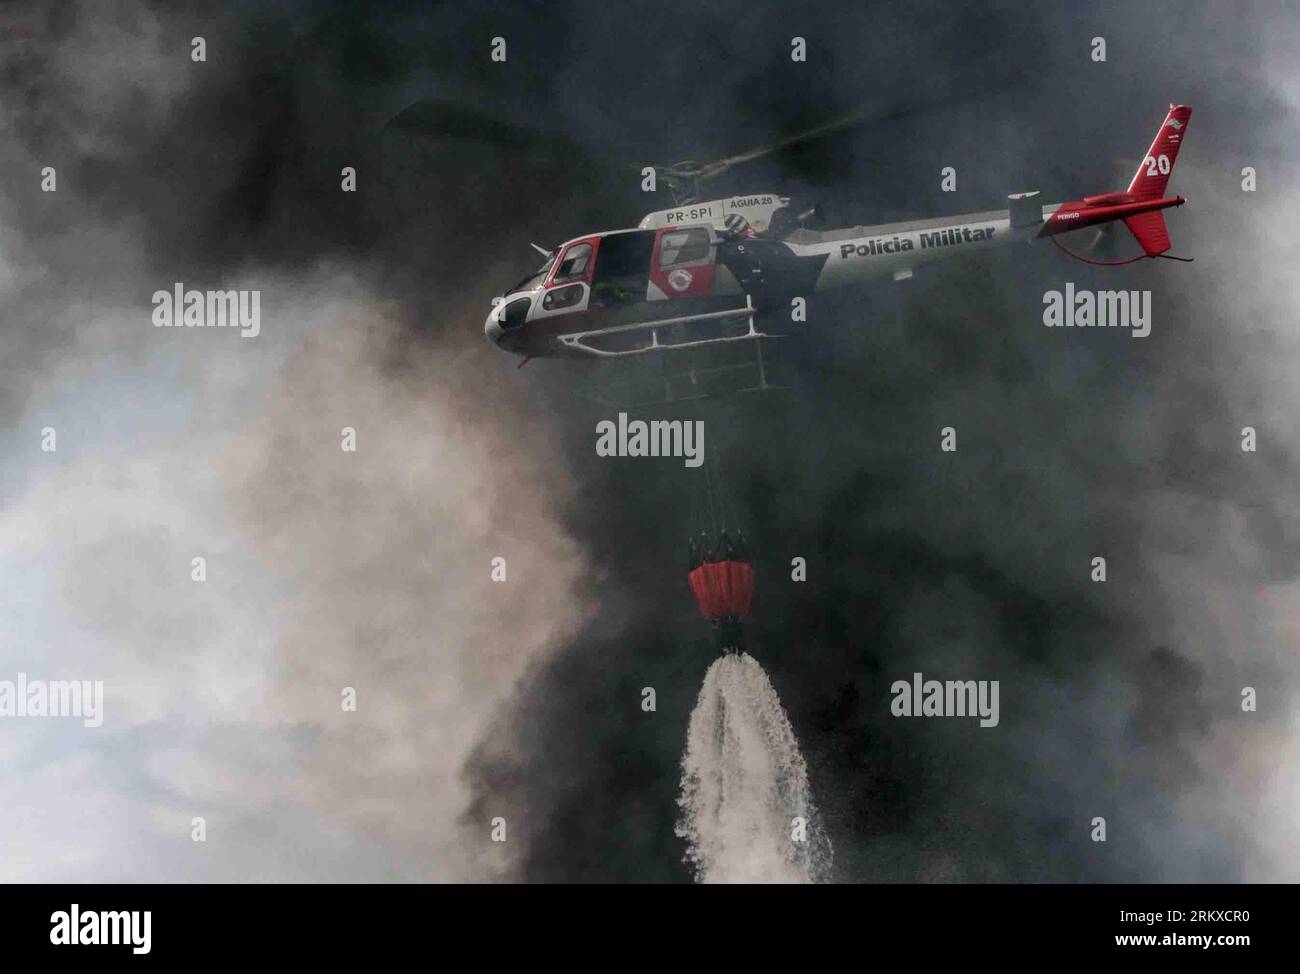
(435, 117)
(846, 121)
(935, 94)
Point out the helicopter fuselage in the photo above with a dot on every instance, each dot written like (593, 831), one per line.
(672, 283)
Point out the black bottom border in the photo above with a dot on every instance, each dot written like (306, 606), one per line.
(979, 924)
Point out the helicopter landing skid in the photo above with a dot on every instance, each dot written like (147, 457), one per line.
(581, 341)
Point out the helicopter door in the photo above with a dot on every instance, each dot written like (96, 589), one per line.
(622, 274)
(569, 287)
(683, 263)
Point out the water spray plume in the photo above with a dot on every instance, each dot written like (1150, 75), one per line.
(746, 811)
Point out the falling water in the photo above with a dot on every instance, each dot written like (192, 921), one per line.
(744, 783)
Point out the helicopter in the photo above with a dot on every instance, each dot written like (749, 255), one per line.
(704, 272)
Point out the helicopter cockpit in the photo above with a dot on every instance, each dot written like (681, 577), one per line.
(599, 272)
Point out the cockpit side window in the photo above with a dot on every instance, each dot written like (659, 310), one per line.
(683, 247)
(574, 265)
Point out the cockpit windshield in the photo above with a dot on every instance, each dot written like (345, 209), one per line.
(536, 278)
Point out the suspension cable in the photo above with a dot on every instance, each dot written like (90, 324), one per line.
(708, 481)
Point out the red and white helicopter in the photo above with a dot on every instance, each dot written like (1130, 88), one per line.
(698, 274)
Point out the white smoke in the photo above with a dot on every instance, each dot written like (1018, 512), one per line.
(744, 783)
(325, 569)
